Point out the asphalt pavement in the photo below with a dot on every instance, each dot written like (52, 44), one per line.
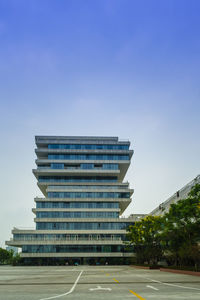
(94, 282)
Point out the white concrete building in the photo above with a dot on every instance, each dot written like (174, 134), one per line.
(78, 219)
(180, 194)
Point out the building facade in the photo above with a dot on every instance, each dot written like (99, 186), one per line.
(79, 217)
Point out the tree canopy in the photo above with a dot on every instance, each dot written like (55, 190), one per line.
(5, 256)
(145, 239)
(174, 236)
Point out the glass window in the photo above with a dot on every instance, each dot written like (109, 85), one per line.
(87, 166)
(71, 248)
(81, 226)
(88, 146)
(48, 204)
(88, 157)
(77, 214)
(88, 195)
(77, 179)
(57, 166)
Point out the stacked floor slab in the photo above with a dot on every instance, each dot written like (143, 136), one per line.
(80, 215)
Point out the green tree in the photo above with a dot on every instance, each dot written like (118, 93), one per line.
(144, 238)
(16, 260)
(176, 234)
(5, 256)
(181, 233)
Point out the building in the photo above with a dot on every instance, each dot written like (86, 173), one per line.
(79, 218)
(180, 194)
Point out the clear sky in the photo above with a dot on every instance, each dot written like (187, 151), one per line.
(115, 67)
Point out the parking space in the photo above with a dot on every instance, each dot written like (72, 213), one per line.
(94, 282)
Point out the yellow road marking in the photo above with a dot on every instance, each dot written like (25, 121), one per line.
(138, 296)
(115, 280)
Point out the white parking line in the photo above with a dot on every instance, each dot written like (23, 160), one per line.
(71, 290)
(152, 287)
(169, 284)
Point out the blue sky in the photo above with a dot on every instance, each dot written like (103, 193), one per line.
(122, 68)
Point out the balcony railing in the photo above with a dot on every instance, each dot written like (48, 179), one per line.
(94, 187)
(77, 168)
(65, 239)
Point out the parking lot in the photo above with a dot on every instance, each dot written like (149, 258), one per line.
(94, 282)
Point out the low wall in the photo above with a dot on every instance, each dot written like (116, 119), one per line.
(180, 271)
(140, 267)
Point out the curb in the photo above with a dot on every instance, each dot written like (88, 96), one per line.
(180, 271)
(140, 267)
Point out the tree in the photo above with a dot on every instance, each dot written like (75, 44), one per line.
(5, 256)
(176, 234)
(144, 237)
(16, 260)
(181, 233)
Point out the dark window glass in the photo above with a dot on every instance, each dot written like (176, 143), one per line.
(81, 225)
(57, 166)
(88, 195)
(88, 146)
(77, 179)
(88, 157)
(77, 214)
